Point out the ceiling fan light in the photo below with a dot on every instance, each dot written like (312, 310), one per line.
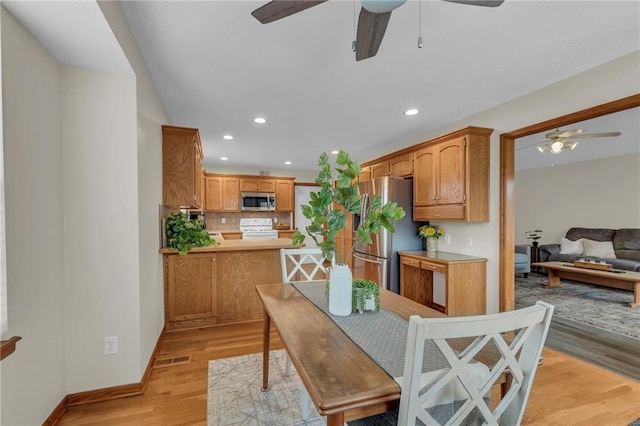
(541, 148)
(556, 146)
(381, 6)
(572, 145)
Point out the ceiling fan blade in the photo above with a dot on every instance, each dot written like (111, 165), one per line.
(278, 9)
(562, 134)
(371, 28)
(597, 135)
(486, 3)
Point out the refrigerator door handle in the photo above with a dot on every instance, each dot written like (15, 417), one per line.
(364, 259)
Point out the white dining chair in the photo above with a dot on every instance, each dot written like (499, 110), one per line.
(466, 382)
(300, 265)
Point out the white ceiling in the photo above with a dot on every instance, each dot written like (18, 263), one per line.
(217, 68)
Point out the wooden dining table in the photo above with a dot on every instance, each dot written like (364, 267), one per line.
(343, 382)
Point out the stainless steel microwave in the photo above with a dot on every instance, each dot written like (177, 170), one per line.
(258, 201)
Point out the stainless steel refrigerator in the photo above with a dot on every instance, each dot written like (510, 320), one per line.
(379, 261)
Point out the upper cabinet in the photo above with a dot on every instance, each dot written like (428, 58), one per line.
(284, 195)
(222, 193)
(397, 165)
(401, 165)
(257, 184)
(182, 174)
(451, 177)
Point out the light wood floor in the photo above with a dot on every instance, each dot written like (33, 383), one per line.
(566, 391)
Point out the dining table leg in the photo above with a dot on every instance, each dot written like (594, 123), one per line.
(266, 334)
(336, 419)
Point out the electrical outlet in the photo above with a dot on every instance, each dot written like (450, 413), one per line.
(447, 240)
(223, 220)
(111, 345)
(275, 220)
(467, 241)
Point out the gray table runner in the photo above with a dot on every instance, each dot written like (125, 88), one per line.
(382, 335)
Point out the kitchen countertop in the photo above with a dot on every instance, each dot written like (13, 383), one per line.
(241, 245)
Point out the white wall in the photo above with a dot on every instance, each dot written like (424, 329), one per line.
(83, 167)
(33, 377)
(100, 196)
(150, 117)
(608, 82)
(602, 193)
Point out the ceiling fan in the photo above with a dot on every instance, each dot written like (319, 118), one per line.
(372, 22)
(559, 140)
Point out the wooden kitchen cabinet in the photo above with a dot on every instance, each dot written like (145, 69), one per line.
(222, 193)
(464, 279)
(451, 177)
(379, 170)
(365, 173)
(191, 290)
(182, 173)
(284, 195)
(401, 166)
(285, 234)
(257, 184)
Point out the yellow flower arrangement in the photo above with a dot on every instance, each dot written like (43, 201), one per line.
(435, 231)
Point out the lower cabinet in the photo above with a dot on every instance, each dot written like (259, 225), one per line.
(209, 288)
(451, 283)
(191, 290)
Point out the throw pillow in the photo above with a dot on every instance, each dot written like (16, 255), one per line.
(571, 247)
(602, 249)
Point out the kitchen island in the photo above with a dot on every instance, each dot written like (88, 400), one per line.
(216, 285)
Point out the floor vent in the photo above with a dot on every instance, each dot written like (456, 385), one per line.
(169, 362)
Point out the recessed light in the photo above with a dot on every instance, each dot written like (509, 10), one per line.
(260, 120)
(335, 152)
(411, 111)
(227, 137)
(224, 158)
(287, 162)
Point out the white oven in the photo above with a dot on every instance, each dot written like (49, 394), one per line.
(254, 228)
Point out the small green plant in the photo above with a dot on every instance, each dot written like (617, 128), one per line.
(329, 208)
(182, 233)
(362, 291)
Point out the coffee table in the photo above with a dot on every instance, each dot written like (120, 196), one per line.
(617, 278)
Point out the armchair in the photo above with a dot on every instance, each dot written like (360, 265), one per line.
(522, 259)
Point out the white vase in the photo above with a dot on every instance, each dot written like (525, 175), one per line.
(340, 290)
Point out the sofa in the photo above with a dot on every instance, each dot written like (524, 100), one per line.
(619, 247)
(522, 259)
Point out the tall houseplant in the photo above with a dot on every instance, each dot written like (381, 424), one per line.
(328, 211)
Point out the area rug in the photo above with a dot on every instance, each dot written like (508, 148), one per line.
(234, 397)
(601, 307)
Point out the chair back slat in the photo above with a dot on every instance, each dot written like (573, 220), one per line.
(302, 264)
(461, 392)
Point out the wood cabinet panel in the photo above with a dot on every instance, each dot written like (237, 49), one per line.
(233, 235)
(284, 195)
(243, 270)
(222, 194)
(285, 234)
(401, 166)
(257, 184)
(182, 174)
(465, 283)
(191, 287)
(379, 170)
(451, 177)
(365, 173)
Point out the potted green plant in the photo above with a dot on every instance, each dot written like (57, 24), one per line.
(534, 235)
(182, 233)
(328, 211)
(365, 296)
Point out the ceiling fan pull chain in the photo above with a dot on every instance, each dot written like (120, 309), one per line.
(420, 24)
